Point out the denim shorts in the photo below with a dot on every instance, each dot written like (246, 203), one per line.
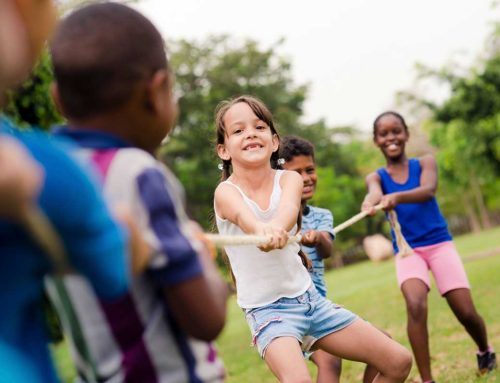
(307, 318)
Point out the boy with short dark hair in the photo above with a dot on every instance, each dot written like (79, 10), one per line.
(37, 172)
(114, 86)
(317, 238)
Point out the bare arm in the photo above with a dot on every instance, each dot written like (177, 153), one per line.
(199, 304)
(230, 205)
(289, 206)
(374, 195)
(426, 190)
(321, 240)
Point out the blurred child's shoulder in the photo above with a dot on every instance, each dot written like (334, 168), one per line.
(135, 161)
(318, 210)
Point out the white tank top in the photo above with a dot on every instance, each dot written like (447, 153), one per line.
(262, 278)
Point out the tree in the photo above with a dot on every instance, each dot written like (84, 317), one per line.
(31, 104)
(208, 72)
(466, 129)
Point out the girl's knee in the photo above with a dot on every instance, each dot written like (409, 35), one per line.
(417, 309)
(399, 364)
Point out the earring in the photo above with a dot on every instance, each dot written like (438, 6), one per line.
(220, 166)
(280, 161)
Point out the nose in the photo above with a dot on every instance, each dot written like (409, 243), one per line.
(251, 132)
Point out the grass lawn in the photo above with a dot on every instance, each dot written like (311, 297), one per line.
(370, 290)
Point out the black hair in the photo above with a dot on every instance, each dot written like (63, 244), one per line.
(100, 54)
(389, 113)
(293, 146)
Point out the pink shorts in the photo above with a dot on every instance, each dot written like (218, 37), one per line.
(444, 262)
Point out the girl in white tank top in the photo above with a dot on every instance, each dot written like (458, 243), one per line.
(285, 313)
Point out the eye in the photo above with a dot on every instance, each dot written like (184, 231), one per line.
(311, 170)
(260, 127)
(237, 131)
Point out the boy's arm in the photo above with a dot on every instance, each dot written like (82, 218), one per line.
(321, 240)
(192, 287)
(426, 190)
(322, 236)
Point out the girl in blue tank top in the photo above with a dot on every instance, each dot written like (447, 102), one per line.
(408, 186)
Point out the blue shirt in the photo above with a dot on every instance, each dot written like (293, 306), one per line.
(422, 223)
(321, 220)
(140, 339)
(94, 243)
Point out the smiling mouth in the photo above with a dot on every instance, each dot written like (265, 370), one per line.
(252, 147)
(392, 146)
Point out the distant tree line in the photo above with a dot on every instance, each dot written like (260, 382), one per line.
(464, 130)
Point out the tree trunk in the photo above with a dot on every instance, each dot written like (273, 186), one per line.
(471, 214)
(478, 195)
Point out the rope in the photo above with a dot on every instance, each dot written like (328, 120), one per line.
(45, 235)
(256, 240)
(354, 219)
(403, 246)
(238, 240)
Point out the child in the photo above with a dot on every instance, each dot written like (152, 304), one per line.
(118, 101)
(48, 178)
(285, 312)
(317, 236)
(408, 186)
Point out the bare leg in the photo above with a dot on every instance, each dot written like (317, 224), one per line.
(460, 302)
(370, 371)
(362, 342)
(329, 367)
(369, 374)
(285, 359)
(415, 293)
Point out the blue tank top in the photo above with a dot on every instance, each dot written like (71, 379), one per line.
(422, 223)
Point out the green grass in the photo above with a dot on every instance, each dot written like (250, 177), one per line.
(370, 290)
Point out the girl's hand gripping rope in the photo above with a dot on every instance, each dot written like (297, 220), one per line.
(278, 237)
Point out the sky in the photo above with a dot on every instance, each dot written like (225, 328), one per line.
(354, 54)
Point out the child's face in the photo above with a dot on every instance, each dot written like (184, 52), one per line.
(248, 139)
(391, 136)
(305, 166)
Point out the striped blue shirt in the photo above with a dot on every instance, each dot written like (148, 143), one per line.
(137, 338)
(317, 219)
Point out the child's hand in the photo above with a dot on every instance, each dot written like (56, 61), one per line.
(368, 207)
(279, 237)
(310, 238)
(389, 201)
